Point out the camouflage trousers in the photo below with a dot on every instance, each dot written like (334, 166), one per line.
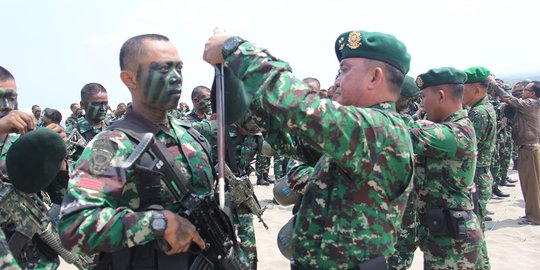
(243, 220)
(501, 158)
(280, 163)
(407, 240)
(484, 181)
(262, 165)
(443, 252)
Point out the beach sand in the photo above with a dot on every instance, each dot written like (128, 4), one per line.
(510, 245)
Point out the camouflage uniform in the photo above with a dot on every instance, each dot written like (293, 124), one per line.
(279, 165)
(192, 117)
(262, 166)
(483, 118)
(446, 158)
(70, 121)
(503, 146)
(7, 262)
(102, 195)
(356, 196)
(31, 256)
(87, 131)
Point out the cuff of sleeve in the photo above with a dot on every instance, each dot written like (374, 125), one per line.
(137, 228)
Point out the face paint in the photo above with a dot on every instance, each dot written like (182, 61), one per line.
(204, 105)
(163, 84)
(8, 101)
(96, 111)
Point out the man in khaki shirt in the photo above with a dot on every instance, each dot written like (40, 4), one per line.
(526, 135)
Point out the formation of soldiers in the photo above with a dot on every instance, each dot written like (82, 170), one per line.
(379, 164)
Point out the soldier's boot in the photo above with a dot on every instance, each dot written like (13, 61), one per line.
(506, 183)
(261, 181)
(507, 179)
(499, 193)
(269, 179)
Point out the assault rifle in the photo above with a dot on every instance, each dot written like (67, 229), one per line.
(28, 213)
(202, 211)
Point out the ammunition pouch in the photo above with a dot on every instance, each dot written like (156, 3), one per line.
(445, 222)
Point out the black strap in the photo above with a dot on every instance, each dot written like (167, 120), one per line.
(16, 243)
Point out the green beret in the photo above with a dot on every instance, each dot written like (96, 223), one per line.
(373, 45)
(440, 76)
(477, 74)
(33, 161)
(409, 88)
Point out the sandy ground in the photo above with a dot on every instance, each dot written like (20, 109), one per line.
(510, 245)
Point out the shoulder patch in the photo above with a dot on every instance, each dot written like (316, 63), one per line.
(103, 151)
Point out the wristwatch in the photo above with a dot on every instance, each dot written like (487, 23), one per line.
(230, 45)
(158, 224)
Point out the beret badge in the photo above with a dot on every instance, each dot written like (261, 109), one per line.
(355, 40)
(419, 82)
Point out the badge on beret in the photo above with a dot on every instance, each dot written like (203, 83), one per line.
(103, 152)
(355, 40)
(341, 43)
(419, 82)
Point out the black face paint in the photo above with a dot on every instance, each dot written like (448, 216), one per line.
(163, 84)
(8, 101)
(204, 105)
(96, 111)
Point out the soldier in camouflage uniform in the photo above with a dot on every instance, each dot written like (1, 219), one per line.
(356, 196)
(95, 102)
(500, 155)
(445, 147)
(180, 112)
(76, 112)
(202, 109)
(35, 254)
(407, 240)
(104, 196)
(484, 120)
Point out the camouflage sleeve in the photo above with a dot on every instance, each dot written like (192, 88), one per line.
(207, 128)
(433, 139)
(521, 104)
(96, 212)
(298, 174)
(481, 125)
(286, 105)
(7, 261)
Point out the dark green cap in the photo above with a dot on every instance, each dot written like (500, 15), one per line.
(440, 76)
(33, 161)
(373, 45)
(409, 87)
(477, 74)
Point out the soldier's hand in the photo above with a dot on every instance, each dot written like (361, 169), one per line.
(212, 50)
(58, 129)
(180, 233)
(17, 121)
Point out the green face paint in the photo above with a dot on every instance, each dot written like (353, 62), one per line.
(204, 105)
(8, 101)
(96, 111)
(163, 84)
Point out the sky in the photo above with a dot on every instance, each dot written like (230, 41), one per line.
(53, 48)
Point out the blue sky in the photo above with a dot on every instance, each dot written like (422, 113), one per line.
(53, 48)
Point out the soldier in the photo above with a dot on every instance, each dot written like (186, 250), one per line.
(76, 112)
(180, 112)
(13, 124)
(262, 169)
(407, 240)
(106, 208)
(354, 201)
(120, 111)
(445, 147)
(50, 116)
(36, 111)
(202, 109)
(95, 102)
(483, 118)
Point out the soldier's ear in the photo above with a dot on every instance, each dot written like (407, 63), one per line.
(129, 79)
(442, 95)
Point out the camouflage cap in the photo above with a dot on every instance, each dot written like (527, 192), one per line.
(440, 76)
(409, 87)
(477, 74)
(33, 161)
(373, 45)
